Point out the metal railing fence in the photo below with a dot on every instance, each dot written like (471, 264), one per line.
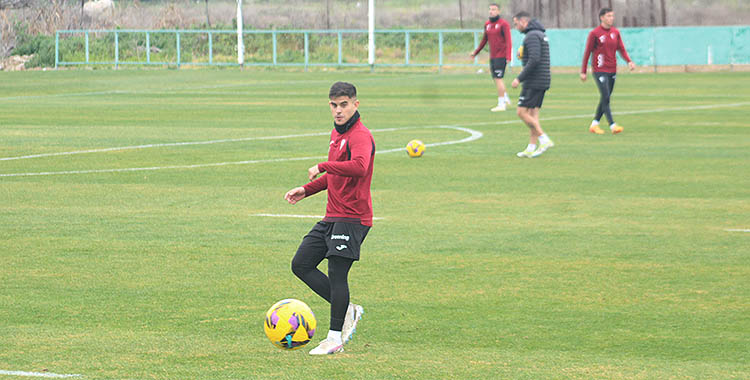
(394, 48)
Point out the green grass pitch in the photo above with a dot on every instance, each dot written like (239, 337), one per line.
(609, 257)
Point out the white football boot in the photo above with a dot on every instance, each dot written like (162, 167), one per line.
(525, 153)
(500, 107)
(327, 347)
(542, 148)
(353, 315)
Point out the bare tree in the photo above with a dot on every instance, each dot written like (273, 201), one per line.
(9, 4)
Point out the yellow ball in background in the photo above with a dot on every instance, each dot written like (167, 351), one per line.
(415, 148)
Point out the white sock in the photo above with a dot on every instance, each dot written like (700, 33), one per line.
(500, 100)
(506, 97)
(334, 336)
(531, 148)
(595, 122)
(612, 126)
(543, 139)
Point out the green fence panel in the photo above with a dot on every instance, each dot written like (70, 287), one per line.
(415, 47)
(639, 43)
(692, 46)
(740, 45)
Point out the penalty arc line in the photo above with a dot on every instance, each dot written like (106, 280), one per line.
(474, 135)
(160, 145)
(37, 374)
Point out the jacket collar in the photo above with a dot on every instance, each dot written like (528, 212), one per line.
(341, 129)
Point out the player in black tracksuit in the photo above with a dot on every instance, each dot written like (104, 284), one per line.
(536, 80)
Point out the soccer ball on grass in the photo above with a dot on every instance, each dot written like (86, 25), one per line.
(290, 324)
(415, 148)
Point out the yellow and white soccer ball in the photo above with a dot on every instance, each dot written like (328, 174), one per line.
(520, 52)
(415, 148)
(290, 324)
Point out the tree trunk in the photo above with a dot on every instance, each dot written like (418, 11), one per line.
(328, 14)
(208, 16)
(583, 13)
(541, 9)
(663, 13)
(460, 14)
(652, 14)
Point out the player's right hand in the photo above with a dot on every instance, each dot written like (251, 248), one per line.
(295, 195)
(583, 77)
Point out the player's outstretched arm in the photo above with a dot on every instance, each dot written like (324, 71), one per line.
(295, 195)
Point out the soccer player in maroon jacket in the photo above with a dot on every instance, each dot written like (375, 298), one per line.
(497, 31)
(346, 175)
(603, 42)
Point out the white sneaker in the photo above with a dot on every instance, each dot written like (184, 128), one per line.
(542, 148)
(500, 107)
(525, 153)
(327, 347)
(353, 315)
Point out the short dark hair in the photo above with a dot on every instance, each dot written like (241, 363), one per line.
(342, 89)
(604, 11)
(494, 5)
(522, 14)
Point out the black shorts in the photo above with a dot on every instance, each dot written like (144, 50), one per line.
(497, 67)
(531, 98)
(336, 238)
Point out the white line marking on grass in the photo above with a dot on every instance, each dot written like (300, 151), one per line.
(35, 374)
(693, 108)
(181, 90)
(146, 146)
(300, 216)
(474, 135)
(737, 230)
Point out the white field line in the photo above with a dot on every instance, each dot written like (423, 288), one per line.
(146, 146)
(474, 135)
(737, 230)
(181, 90)
(470, 138)
(673, 109)
(35, 374)
(299, 216)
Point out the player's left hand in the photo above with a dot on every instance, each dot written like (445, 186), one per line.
(631, 65)
(313, 172)
(515, 83)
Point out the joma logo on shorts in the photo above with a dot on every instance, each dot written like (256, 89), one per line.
(340, 237)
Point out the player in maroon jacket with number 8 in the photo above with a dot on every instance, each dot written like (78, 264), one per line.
(604, 42)
(346, 175)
